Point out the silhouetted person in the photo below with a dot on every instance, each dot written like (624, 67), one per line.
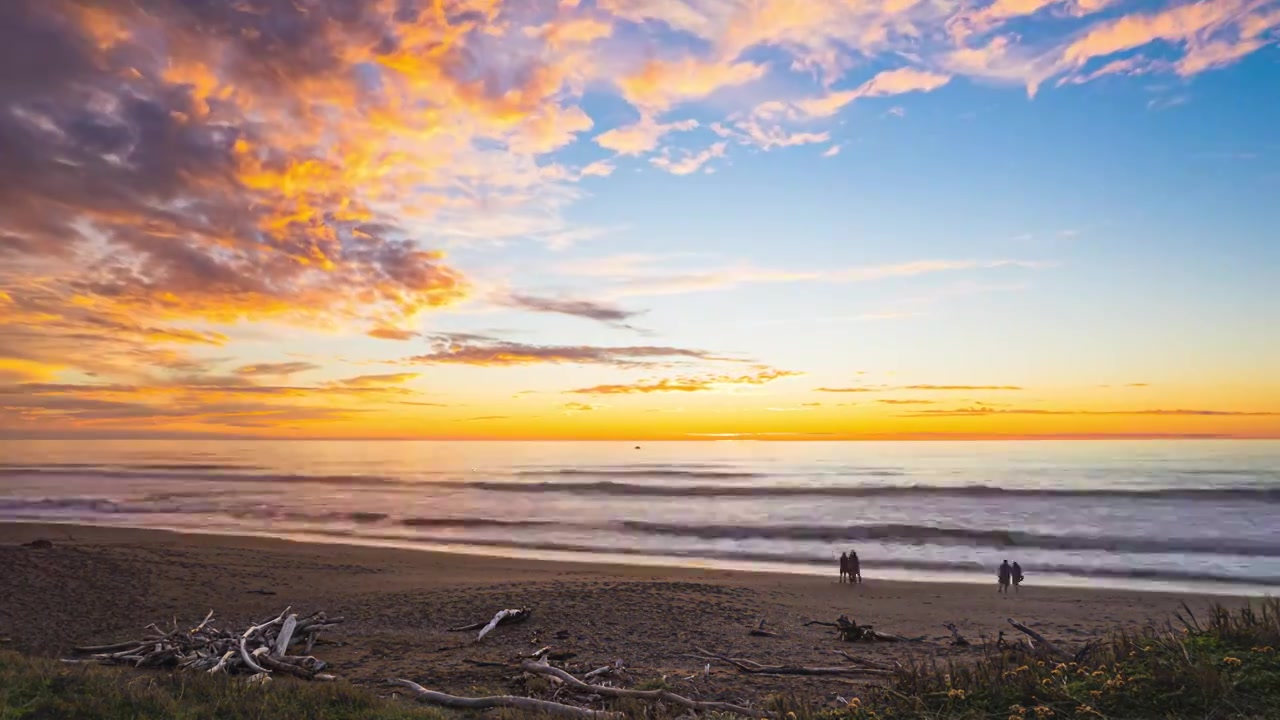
(1017, 576)
(855, 567)
(1005, 575)
(844, 566)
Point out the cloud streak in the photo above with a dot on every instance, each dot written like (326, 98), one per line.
(588, 309)
(686, 384)
(480, 351)
(981, 411)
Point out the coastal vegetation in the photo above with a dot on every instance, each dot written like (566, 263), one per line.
(1223, 665)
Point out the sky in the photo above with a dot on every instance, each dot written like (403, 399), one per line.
(639, 219)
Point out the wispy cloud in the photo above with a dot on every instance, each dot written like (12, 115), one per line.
(905, 402)
(589, 309)
(925, 387)
(978, 411)
(377, 380)
(640, 276)
(960, 387)
(699, 383)
(482, 351)
(281, 368)
(687, 163)
(387, 333)
(577, 407)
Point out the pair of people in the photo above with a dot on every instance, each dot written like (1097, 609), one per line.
(1009, 574)
(850, 567)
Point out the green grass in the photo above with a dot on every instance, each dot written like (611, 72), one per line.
(1226, 665)
(41, 689)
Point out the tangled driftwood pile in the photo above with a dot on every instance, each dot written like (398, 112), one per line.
(260, 650)
(850, 631)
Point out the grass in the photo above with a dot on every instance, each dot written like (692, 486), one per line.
(41, 689)
(1226, 665)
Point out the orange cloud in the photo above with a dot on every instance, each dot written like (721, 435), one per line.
(982, 410)
(661, 84)
(284, 368)
(386, 333)
(906, 402)
(686, 384)
(377, 380)
(960, 387)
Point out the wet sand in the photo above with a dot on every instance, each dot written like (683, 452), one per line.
(97, 585)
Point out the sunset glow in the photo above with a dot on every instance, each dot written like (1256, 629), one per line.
(640, 219)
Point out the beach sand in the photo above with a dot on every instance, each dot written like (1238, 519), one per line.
(98, 585)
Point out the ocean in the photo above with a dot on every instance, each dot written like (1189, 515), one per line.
(1178, 515)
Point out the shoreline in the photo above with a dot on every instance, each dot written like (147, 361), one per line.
(656, 562)
(100, 584)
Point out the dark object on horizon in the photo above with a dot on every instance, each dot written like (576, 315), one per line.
(1017, 576)
(260, 592)
(1004, 576)
(39, 544)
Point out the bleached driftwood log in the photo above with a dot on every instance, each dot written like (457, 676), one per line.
(503, 617)
(259, 650)
(1045, 643)
(534, 705)
(574, 683)
(286, 634)
(754, 668)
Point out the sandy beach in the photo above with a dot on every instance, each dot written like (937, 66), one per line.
(102, 584)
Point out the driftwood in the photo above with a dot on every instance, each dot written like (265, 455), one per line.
(533, 705)
(754, 668)
(957, 639)
(1048, 646)
(574, 683)
(759, 631)
(259, 650)
(872, 664)
(503, 617)
(850, 631)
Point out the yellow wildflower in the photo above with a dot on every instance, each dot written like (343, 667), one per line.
(1265, 649)
(955, 694)
(1043, 711)
(1231, 660)
(1017, 711)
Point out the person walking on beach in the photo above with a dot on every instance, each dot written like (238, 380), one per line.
(1017, 576)
(855, 567)
(1004, 576)
(844, 566)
